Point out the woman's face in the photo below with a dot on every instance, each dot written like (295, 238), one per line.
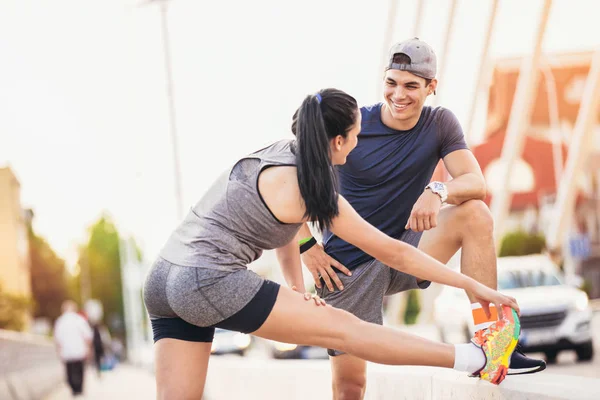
(342, 146)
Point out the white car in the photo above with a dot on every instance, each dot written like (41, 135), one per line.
(554, 316)
(230, 342)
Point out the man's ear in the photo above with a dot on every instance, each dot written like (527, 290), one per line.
(432, 86)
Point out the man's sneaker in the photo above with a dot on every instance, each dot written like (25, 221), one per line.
(498, 341)
(521, 364)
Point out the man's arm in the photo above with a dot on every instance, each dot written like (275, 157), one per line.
(468, 182)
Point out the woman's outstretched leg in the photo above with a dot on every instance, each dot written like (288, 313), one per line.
(295, 320)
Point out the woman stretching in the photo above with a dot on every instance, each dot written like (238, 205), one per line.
(200, 281)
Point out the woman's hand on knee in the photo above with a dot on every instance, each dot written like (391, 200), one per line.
(310, 296)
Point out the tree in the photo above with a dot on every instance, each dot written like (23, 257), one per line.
(13, 310)
(48, 278)
(413, 307)
(100, 265)
(521, 243)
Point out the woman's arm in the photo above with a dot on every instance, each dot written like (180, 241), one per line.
(291, 267)
(349, 226)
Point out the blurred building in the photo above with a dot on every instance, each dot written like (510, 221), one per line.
(535, 184)
(15, 274)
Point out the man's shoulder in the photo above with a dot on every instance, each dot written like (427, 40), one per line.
(439, 114)
(70, 318)
(59, 320)
(370, 111)
(439, 119)
(371, 118)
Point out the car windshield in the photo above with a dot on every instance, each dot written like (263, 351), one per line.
(527, 278)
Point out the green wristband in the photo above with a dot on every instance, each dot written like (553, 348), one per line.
(305, 240)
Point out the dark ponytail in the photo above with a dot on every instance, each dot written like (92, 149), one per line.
(320, 118)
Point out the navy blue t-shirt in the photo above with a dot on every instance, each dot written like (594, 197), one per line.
(388, 170)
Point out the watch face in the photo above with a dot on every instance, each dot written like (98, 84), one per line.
(438, 186)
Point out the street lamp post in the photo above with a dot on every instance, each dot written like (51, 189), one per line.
(171, 103)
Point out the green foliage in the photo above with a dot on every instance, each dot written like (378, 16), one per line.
(74, 287)
(413, 307)
(13, 310)
(48, 278)
(521, 243)
(100, 259)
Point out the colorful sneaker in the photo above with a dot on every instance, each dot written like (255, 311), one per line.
(498, 342)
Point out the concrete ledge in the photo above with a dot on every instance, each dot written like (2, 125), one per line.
(31, 383)
(29, 366)
(236, 378)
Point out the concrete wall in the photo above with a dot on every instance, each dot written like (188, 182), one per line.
(29, 366)
(228, 378)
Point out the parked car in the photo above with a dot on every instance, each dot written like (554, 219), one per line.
(230, 342)
(554, 316)
(280, 350)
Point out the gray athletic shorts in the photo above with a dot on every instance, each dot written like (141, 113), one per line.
(364, 291)
(187, 303)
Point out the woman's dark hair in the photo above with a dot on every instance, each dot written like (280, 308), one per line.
(321, 117)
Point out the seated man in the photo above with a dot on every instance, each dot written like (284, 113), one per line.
(387, 180)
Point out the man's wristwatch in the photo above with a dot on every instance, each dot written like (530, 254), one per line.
(440, 189)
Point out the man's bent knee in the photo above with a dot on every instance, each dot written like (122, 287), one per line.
(476, 216)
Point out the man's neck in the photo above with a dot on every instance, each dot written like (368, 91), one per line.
(390, 122)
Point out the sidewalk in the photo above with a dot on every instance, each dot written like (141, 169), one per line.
(124, 382)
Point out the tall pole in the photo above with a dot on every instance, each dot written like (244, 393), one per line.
(387, 43)
(85, 280)
(447, 38)
(520, 115)
(482, 68)
(171, 105)
(554, 119)
(418, 18)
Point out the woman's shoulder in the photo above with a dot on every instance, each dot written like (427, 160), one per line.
(282, 177)
(278, 186)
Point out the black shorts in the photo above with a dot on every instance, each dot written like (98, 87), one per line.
(247, 320)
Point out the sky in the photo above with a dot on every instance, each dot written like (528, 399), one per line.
(84, 120)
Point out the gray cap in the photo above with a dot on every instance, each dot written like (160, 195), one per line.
(422, 58)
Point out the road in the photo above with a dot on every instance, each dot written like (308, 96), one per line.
(122, 383)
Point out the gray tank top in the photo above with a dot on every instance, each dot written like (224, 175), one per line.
(231, 225)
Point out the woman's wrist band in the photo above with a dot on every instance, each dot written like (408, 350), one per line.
(306, 244)
(302, 241)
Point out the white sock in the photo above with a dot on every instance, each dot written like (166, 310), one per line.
(468, 358)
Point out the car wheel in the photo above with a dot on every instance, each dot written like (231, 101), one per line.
(585, 352)
(551, 356)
